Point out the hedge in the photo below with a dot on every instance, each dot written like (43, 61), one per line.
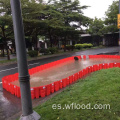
(85, 45)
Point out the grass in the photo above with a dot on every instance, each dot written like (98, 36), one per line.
(8, 61)
(101, 87)
(60, 52)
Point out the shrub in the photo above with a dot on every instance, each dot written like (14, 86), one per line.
(69, 47)
(33, 53)
(45, 51)
(78, 46)
(90, 45)
(85, 45)
(53, 50)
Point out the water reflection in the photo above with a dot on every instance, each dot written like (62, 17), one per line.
(63, 70)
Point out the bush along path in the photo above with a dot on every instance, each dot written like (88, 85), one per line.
(33, 55)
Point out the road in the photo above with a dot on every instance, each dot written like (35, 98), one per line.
(9, 104)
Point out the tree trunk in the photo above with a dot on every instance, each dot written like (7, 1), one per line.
(3, 53)
(51, 42)
(4, 37)
(34, 40)
(65, 45)
(8, 54)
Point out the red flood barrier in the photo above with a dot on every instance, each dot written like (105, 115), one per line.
(36, 92)
(52, 88)
(100, 66)
(47, 90)
(18, 92)
(64, 82)
(70, 79)
(42, 91)
(56, 85)
(32, 93)
(67, 81)
(60, 84)
(84, 56)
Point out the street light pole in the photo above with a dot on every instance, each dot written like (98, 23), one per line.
(24, 79)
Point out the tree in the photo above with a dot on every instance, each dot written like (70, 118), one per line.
(6, 28)
(72, 18)
(56, 20)
(52, 21)
(5, 32)
(28, 9)
(111, 17)
(96, 28)
(5, 8)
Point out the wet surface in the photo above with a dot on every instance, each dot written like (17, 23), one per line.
(11, 105)
(64, 70)
(112, 53)
(11, 101)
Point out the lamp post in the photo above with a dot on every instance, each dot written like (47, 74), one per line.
(24, 79)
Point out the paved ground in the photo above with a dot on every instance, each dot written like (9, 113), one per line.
(5, 58)
(62, 71)
(10, 105)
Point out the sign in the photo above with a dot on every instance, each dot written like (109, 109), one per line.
(118, 21)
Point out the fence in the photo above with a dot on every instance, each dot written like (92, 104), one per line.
(42, 91)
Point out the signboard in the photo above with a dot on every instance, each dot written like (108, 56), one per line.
(118, 21)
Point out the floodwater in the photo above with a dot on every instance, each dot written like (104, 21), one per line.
(63, 70)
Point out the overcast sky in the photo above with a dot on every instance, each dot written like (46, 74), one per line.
(97, 9)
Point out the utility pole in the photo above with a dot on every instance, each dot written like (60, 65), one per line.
(24, 79)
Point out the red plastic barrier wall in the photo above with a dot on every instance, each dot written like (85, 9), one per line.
(42, 91)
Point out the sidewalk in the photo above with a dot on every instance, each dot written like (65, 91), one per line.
(5, 58)
(12, 57)
(34, 58)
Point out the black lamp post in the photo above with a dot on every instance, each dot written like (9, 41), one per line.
(24, 79)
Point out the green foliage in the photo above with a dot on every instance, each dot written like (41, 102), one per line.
(111, 17)
(70, 47)
(96, 27)
(5, 7)
(33, 53)
(71, 19)
(99, 27)
(85, 45)
(53, 50)
(54, 20)
(6, 31)
(45, 51)
(101, 88)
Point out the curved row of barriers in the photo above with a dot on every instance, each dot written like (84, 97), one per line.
(42, 91)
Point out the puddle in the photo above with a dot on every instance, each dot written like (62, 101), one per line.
(63, 70)
(112, 53)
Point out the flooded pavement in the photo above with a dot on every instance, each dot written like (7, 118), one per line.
(12, 101)
(63, 70)
(10, 106)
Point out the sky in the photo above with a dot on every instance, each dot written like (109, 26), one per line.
(97, 9)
